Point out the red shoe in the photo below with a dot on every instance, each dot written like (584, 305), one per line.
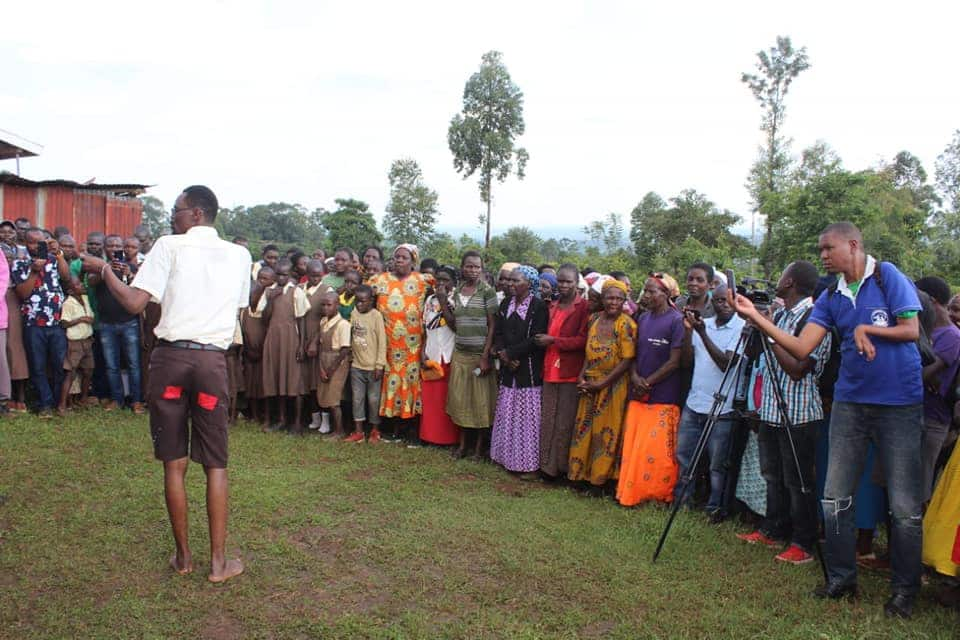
(795, 555)
(374, 436)
(757, 538)
(354, 437)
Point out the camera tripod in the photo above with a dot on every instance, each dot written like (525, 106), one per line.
(730, 376)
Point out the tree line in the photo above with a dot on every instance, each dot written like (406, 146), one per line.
(905, 217)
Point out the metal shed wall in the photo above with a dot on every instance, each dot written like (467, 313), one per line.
(19, 202)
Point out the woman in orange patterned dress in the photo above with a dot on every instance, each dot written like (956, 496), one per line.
(400, 298)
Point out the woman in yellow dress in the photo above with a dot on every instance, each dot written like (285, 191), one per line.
(400, 298)
(597, 432)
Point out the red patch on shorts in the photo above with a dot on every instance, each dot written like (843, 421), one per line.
(206, 401)
(172, 393)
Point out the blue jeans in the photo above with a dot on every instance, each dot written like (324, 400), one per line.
(896, 433)
(45, 346)
(123, 337)
(718, 447)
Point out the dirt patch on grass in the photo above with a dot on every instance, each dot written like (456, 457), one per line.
(517, 488)
(315, 540)
(220, 626)
(599, 629)
(360, 474)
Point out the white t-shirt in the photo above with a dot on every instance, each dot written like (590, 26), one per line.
(706, 374)
(200, 281)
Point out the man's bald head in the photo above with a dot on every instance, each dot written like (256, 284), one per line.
(845, 230)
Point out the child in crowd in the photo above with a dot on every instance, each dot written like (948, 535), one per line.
(341, 263)
(351, 280)
(314, 289)
(77, 318)
(369, 349)
(331, 347)
(253, 332)
(284, 306)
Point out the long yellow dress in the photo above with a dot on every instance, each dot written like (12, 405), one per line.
(598, 430)
(401, 303)
(941, 523)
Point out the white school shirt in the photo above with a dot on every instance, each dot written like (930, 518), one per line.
(200, 281)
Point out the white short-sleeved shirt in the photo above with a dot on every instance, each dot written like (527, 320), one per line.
(706, 374)
(200, 281)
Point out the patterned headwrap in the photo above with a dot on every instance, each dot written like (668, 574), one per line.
(667, 283)
(599, 283)
(613, 283)
(412, 248)
(549, 277)
(530, 275)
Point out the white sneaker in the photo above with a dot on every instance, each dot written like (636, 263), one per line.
(315, 421)
(325, 423)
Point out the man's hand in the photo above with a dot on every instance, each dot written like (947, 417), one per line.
(742, 305)
(122, 269)
(378, 374)
(92, 264)
(299, 354)
(485, 365)
(312, 350)
(862, 340)
(273, 292)
(693, 321)
(53, 247)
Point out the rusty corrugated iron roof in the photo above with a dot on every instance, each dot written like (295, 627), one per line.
(118, 189)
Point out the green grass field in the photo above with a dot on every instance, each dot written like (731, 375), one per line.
(361, 541)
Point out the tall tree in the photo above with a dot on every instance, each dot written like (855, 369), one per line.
(482, 136)
(608, 232)
(947, 174)
(776, 70)
(351, 225)
(155, 216)
(412, 210)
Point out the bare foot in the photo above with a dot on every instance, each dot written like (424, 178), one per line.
(181, 567)
(231, 569)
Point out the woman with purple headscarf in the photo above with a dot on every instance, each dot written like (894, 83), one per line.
(515, 440)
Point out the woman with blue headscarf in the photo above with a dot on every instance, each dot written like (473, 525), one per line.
(515, 440)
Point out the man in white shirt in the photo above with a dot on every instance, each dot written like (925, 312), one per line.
(199, 281)
(709, 348)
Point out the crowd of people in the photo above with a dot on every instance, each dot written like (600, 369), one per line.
(565, 375)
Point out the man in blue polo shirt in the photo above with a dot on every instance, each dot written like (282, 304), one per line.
(878, 398)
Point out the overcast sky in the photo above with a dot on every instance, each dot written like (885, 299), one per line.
(309, 101)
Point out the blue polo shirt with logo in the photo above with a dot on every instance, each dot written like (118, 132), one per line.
(893, 377)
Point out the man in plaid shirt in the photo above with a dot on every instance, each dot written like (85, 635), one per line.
(791, 514)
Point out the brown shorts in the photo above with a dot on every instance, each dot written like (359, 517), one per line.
(188, 385)
(79, 355)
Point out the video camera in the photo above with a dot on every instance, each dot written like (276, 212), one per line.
(758, 291)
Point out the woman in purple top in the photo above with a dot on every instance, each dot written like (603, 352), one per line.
(648, 469)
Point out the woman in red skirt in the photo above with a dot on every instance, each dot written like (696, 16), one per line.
(435, 425)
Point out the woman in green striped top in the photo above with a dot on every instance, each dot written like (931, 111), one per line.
(472, 395)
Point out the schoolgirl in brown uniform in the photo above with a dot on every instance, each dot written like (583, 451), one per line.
(254, 331)
(285, 306)
(314, 290)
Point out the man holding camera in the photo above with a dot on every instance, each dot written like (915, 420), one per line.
(788, 467)
(708, 347)
(200, 282)
(37, 280)
(119, 329)
(878, 398)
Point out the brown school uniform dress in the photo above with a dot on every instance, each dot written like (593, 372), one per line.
(332, 339)
(282, 374)
(16, 354)
(311, 326)
(253, 335)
